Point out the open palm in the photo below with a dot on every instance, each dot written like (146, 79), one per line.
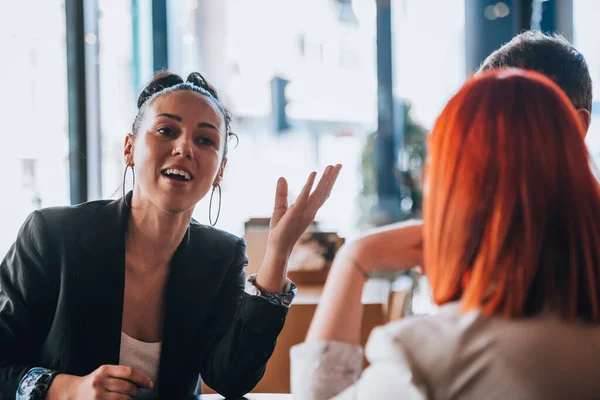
(288, 223)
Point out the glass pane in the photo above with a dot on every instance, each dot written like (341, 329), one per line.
(117, 89)
(586, 37)
(431, 69)
(326, 49)
(35, 131)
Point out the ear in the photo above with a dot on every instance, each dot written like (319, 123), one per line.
(219, 176)
(585, 118)
(128, 149)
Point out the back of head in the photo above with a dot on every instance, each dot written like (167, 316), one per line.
(552, 56)
(512, 219)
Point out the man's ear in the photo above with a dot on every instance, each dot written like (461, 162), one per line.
(585, 118)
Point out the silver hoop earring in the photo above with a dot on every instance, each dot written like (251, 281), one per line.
(210, 205)
(125, 177)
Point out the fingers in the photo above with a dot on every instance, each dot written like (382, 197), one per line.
(333, 175)
(281, 194)
(325, 185)
(307, 188)
(130, 374)
(323, 182)
(116, 396)
(320, 194)
(122, 387)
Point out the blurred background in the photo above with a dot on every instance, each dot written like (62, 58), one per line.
(309, 82)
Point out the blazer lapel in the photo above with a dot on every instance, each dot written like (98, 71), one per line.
(195, 277)
(101, 281)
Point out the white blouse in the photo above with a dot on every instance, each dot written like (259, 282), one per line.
(141, 356)
(451, 355)
(145, 357)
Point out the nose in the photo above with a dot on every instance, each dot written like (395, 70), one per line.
(184, 147)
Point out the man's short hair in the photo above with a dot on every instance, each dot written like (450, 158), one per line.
(551, 55)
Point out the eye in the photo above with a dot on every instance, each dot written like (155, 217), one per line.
(166, 132)
(206, 141)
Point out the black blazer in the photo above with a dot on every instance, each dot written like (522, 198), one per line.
(61, 303)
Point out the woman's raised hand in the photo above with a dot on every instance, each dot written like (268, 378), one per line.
(288, 223)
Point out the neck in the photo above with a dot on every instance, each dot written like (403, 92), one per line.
(153, 235)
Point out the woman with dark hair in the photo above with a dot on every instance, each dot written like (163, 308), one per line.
(133, 298)
(511, 245)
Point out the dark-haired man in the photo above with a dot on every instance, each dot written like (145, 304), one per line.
(553, 56)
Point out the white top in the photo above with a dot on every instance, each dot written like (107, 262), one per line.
(141, 356)
(454, 356)
(145, 357)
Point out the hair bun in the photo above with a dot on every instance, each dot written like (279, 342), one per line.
(196, 78)
(161, 80)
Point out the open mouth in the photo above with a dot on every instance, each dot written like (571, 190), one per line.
(177, 174)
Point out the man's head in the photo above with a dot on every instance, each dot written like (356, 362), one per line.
(553, 56)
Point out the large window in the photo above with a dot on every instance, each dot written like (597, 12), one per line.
(327, 52)
(326, 49)
(34, 105)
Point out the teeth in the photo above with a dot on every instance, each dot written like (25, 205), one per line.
(173, 171)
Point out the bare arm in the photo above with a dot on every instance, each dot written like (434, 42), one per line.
(329, 362)
(339, 314)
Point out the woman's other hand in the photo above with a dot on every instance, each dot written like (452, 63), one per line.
(110, 382)
(395, 247)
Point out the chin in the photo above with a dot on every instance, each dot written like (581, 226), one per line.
(175, 206)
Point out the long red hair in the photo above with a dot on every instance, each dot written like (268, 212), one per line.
(512, 208)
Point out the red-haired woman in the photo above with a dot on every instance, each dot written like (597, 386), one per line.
(511, 241)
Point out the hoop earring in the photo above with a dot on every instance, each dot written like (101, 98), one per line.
(125, 177)
(210, 205)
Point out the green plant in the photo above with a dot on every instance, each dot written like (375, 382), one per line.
(408, 173)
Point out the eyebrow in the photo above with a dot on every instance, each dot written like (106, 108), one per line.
(179, 119)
